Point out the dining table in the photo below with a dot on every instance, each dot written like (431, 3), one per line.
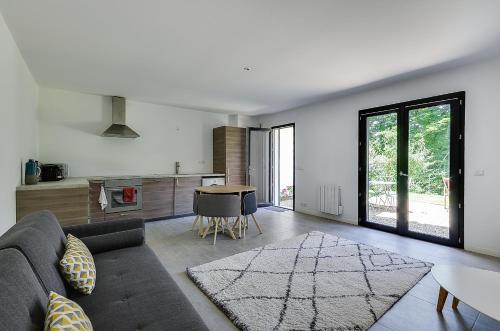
(227, 189)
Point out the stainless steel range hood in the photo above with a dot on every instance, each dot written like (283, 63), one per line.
(118, 128)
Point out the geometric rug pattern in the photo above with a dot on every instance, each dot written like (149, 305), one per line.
(315, 281)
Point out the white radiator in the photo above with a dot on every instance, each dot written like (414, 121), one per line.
(330, 199)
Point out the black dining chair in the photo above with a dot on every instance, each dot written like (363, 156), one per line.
(249, 207)
(195, 211)
(218, 208)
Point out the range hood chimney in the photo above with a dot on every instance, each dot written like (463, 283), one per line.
(118, 128)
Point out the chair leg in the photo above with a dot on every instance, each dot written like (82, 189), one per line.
(195, 222)
(229, 230)
(207, 228)
(235, 224)
(200, 226)
(216, 228)
(239, 226)
(256, 224)
(245, 220)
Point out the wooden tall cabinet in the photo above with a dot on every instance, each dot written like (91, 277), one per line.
(230, 153)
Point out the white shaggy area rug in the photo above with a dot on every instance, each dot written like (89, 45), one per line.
(314, 281)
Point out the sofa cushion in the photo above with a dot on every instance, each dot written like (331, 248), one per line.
(65, 314)
(40, 238)
(77, 266)
(22, 299)
(41, 254)
(95, 229)
(46, 222)
(134, 292)
(115, 240)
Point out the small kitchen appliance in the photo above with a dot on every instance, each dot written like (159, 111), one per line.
(123, 194)
(53, 172)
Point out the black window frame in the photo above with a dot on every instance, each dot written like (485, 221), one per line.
(457, 131)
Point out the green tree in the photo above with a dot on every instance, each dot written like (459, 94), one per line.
(428, 149)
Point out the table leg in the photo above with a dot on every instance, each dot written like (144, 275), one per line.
(443, 294)
(455, 303)
(216, 229)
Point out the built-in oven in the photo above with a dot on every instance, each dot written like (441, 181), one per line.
(123, 194)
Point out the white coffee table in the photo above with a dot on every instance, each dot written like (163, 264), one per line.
(478, 288)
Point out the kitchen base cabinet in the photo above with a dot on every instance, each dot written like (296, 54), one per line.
(157, 198)
(183, 198)
(70, 205)
(126, 215)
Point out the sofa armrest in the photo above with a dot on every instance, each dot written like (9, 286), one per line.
(114, 240)
(95, 229)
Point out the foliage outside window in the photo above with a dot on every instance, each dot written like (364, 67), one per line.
(428, 162)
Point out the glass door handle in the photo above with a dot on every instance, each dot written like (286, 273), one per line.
(403, 174)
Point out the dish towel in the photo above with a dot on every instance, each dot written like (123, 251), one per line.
(102, 198)
(129, 194)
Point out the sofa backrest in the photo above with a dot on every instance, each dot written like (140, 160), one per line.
(23, 301)
(40, 238)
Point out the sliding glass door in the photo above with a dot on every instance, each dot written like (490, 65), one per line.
(411, 168)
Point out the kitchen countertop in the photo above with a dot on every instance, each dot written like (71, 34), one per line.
(70, 182)
(77, 182)
(100, 178)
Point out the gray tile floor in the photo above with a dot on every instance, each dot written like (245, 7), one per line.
(178, 247)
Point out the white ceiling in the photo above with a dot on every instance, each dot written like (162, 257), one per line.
(192, 53)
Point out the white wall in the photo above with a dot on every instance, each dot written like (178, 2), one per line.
(327, 137)
(242, 121)
(18, 124)
(71, 124)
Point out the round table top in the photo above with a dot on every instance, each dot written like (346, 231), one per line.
(224, 189)
(478, 288)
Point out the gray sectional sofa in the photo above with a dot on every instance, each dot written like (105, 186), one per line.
(133, 291)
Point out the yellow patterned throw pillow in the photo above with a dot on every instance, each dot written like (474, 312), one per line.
(65, 315)
(77, 266)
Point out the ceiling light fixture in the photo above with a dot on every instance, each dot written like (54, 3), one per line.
(246, 68)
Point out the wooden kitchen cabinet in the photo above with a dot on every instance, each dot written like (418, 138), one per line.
(157, 198)
(229, 153)
(125, 215)
(184, 191)
(70, 205)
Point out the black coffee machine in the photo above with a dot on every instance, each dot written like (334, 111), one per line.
(53, 172)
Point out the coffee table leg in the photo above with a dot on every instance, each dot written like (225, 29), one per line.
(455, 303)
(443, 294)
